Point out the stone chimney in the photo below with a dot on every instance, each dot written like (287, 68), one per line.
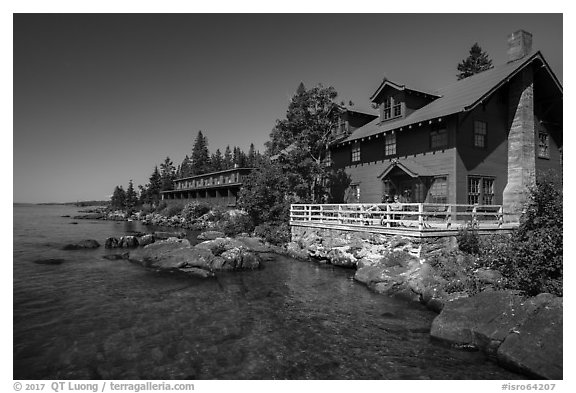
(521, 134)
(519, 45)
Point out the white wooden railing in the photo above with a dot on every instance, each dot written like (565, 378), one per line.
(415, 216)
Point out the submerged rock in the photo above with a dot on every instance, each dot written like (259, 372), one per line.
(166, 235)
(50, 261)
(84, 244)
(210, 235)
(115, 257)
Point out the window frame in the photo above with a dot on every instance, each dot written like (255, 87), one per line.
(481, 194)
(476, 134)
(434, 198)
(387, 144)
(356, 153)
(437, 130)
(355, 194)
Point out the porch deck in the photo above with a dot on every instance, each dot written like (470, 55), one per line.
(410, 219)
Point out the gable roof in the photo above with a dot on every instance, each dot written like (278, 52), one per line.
(461, 96)
(400, 87)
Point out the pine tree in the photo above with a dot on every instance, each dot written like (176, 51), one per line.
(200, 155)
(118, 200)
(131, 198)
(251, 159)
(475, 63)
(228, 159)
(185, 167)
(154, 187)
(217, 161)
(167, 174)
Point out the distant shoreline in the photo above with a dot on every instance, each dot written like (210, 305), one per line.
(80, 204)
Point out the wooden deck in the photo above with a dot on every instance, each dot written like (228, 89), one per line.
(410, 219)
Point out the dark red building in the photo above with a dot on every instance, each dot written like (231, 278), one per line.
(481, 140)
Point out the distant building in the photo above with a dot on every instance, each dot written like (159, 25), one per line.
(215, 188)
(481, 140)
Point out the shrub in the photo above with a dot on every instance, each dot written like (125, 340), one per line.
(468, 241)
(174, 209)
(277, 233)
(531, 259)
(237, 224)
(161, 206)
(193, 210)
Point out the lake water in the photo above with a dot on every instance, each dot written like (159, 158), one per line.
(91, 318)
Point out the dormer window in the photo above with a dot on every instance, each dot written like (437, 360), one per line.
(397, 108)
(391, 107)
(387, 105)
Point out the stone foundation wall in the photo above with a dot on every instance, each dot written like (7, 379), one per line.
(319, 242)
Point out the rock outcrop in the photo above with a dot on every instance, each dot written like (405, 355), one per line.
(210, 235)
(522, 334)
(81, 245)
(177, 255)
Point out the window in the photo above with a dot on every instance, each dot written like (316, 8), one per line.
(356, 152)
(438, 190)
(397, 107)
(391, 107)
(343, 127)
(487, 191)
(480, 132)
(543, 145)
(390, 144)
(480, 190)
(438, 138)
(387, 114)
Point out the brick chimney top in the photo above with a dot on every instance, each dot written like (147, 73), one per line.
(519, 45)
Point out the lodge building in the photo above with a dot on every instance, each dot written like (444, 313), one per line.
(215, 188)
(481, 140)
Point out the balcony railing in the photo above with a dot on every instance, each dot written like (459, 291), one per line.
(406, 216)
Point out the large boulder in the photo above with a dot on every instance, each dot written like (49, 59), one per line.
(144, 240)
(112, 242)
(173, 255)
(210, 235)
(84, 244)
(461, 318)
(341, 256)
(535, 347)
(128, 242)
(219, 245)
(240, 258)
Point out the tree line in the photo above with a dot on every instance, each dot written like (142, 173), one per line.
(200, 161)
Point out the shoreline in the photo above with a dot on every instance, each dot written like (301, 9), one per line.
(484, 321)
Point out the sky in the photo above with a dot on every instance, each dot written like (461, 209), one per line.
(99, 99)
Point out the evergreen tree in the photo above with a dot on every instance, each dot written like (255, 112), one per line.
(217, 161)
(228, 159)
(131, 198)
(154, 187)
(185, 167)
(118, 200)
(167, 175)
(251, 159)
(200, 155)
(476, 62)
(239, 157)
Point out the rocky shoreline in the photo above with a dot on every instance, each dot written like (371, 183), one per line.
(519, 333)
